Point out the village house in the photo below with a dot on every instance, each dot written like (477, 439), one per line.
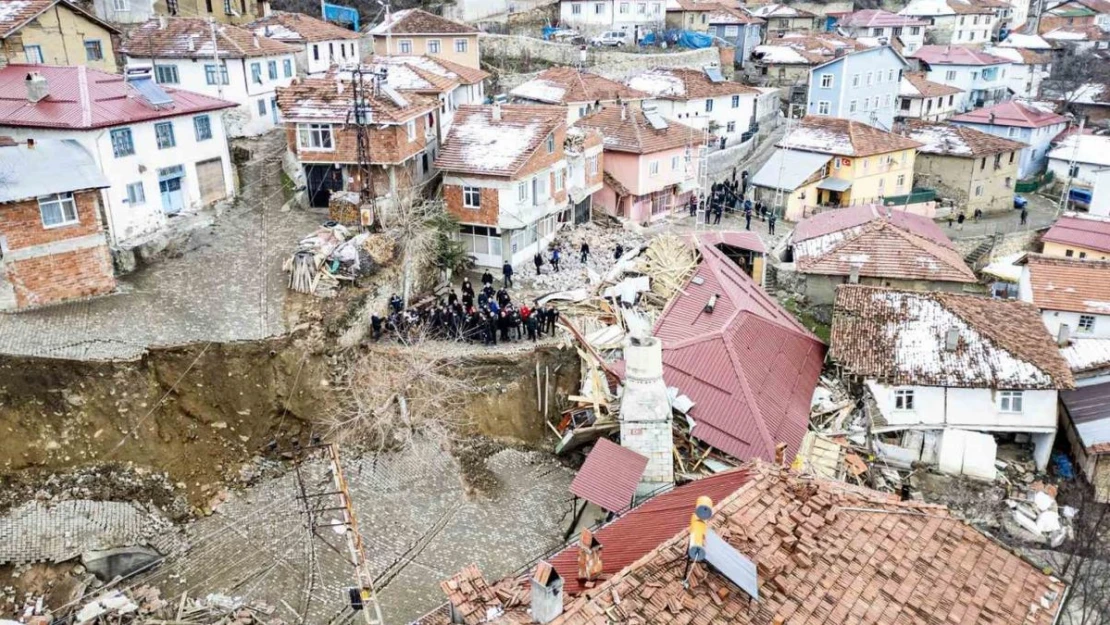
(636, 564)
(583, 150)
(830, 162)
(1080, 38)
(738, 28)
(1087, 424)
(1028, 69)
(1089, 101)
(722, 335)
(956, 21)
(322, 44)
(862, 86)
(577, 90)
(415, 31)
(163, 151)
(1020, 122)
(227, 62)
(55, 32)
(1091, 156)
(1078, 235)
(921, 98)
(505, 178)
(884, 25)
(52, 244)
(635, 18)
(237, 12)
(1072, 293)
(781, 19)
(975, 169)
(873, 245)
(785, 61)
(454, 85)
(950, 374)
(694, 14)
(981, 77)
(323, 141)
(1074, 16)
(701, 99)
(651, 164)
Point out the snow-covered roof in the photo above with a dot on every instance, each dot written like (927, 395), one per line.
(1029, 42)
(842, 137)
(497, 140)
(952, 140)
(1089, 93)
(780, 55)
(927, 8)
(1086, 354)
(1092, 149)
(1004, 268)
(788, 169)
(542, 90)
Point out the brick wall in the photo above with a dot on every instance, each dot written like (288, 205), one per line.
(486, 215)
(1052, 22)
(59, 277)
(541, 159)
(388, 145)
(21, 222)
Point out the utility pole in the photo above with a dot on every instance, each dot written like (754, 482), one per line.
(361, 117)
(780, 198)
(1065, 193)
(216, 57)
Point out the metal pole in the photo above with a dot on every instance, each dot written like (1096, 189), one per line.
(216, 57)
(1064, 193)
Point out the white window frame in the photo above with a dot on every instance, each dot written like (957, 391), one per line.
(522, 192)
(162, 72)
(653, 168)
(675, 162)
(591, 165)
(1011, 401)
(550, 142)
(310, 134)
(576, 8)
(826, 81)
(855, 80)
(461, 46)
(950, 75)
(824, 107)
(472, 197)
(136, 194)
(735, 101)
(410, 129)
(62, 202)
(870, 77)
(730, 127)
(433, 43)
(559, 182)
(852, 106)
(404, 46)
(904, 400)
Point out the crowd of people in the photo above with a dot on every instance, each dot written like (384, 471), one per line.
(728, 196)
(486, 316)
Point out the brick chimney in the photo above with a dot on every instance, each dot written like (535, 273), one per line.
(547, 593)
(37, 88)
(589, 557)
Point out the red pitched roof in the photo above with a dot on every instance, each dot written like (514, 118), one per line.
(191, 38)
(743, 239)
(1011, 113)
(878, 18)
(82, 98)
(609, 476)
(841, 219)
(1072, 284)
(956, 55)
(1089, 233)
(749, 365)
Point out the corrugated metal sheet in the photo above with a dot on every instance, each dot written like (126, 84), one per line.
(788, 169)
(1089, 409)
(609, 476)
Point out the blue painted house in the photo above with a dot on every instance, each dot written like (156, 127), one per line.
(861, 86)
(738, 28)
(1019, 122)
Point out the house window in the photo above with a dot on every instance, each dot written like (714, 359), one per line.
(287, 68)
(903, 399)
(709, 105)
(1009, 182)
(657, 8)
(33, 54)
(735, 101)
(950, 75)
(732, 31)
(315, 52)
(314, 137)
(123, 5)
(472, 197)
(227, 7)
(915, 30)
(58, 209)
(122, 144)
(674, 163)
(978, 190)
(591, 165)
(1010, 401)
(522, 192)
(163, 133)
(460, 45)
(886, 100)
(214, 74)
(641, 8)
(576, 8)
(826, 81)
(166, 74)
(855, 80)
(410, 129)
(256, 73)
(876, 32)
(262, 107)
(901, 181)
(823, 107)
(271, 69)
(730, 127)
(433, 46)
(551, 143)
(869, 76)
(653, 168)
(890, 75)
(136, 194)
(171, 6)
(905, 104)
(1086, 323)
(951, 99)
(93, 51)
(203, 125)
(599, 8)
(405, 46)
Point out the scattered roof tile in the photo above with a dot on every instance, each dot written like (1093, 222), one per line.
(630, 131)
(565, 85)
(685, 83)
(916, 85)
(1011, 113)
(768, 11)
(472, 598)
(420, 22)
(960, 141)
(299, 28)
(609, 476)
(1086, 232)
(479, 144)
(900, 338)
(191, 38)
(843, 137)
(1072, 284)
(731, 15)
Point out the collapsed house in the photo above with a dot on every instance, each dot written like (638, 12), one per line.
(774, 547)
(947, 374)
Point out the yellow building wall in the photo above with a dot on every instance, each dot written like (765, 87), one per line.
(873, 177)
(61, 33)
(420, 46)
(1061, 250)
(247, 12)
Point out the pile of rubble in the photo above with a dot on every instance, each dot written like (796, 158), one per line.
(334, 254)
(144, 605)
(573, 274)
(1039, 517)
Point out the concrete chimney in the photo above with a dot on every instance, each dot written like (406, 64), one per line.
(646, 413)
(853, 275)
(161, 22)
(589, 557)
(1063, 335)
(256, 42)
(37, 87)
(547, 593)
(192, 43)
(624, 112)
(952, 339)
(496, 114)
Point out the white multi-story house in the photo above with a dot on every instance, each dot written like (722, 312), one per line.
(957, 21)
(163, 151)
(884, 26)
(1069, 291)
(322, 44)
(980, 76)
(701, 99)
(1028, 69)
(218, 60)
(636, 17)
(921, 98)
(951, 372)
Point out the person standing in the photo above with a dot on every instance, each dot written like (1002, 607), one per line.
(584, 253)
(1024, 216)
(960, 221)
(747, 217)
(693, 204)
(530, 324)
(619, 251)
(552, 317)
(771, 223)
(717, 215)
(487, 278)
(555, 258)
(395, 303)
(538, 260)
(507, 274)
(467, 288)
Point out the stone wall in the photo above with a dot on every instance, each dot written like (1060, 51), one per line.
(1011, 243)
(608, 62)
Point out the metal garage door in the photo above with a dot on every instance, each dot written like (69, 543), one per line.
(211, 177)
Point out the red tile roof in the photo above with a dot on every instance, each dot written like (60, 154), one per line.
(825, 553)
(564, 85)
(840, 219)
(299, 28)
(191, 38)
(956, 55)
(479, 144)
(961, 141)
(878, 18)
(1092, 234)
(729, 15)
(14, 14)
(82, 98)
(420, 22)
(609, 476)
(749, 365)
(634, 134)
(924, 87)
(843, 137)
(329, 100)
(681, 83)
(743, 239)
(1069, 283)
(1011, 113)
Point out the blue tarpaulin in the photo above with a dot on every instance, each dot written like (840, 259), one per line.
(681, 38)
(344, 16)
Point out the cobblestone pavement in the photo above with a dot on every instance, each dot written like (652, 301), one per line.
(1042, 213)
(228, 286)
(419, 525)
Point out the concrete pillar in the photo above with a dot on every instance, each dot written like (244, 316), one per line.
(646, 413)
(1042, 449)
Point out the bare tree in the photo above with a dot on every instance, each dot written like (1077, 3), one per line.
(1086, 563)
(1071, 74)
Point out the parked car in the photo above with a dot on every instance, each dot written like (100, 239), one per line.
(611, 38)
(1020, 202)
